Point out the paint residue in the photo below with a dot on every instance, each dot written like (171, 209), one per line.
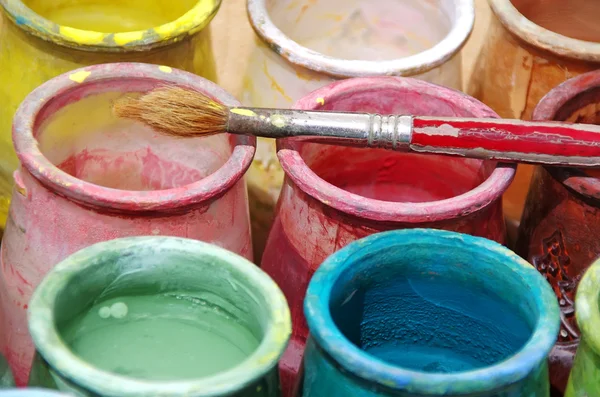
(159, 337)
(243, 112)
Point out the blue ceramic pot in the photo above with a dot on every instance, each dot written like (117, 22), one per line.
(428, 313)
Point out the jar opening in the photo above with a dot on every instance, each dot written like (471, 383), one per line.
(116, 165)
(110, 16)
(361, 30)
(185, 281)
(393, 305)
(406, 184)
(78, 133)
(137, 317)
(577, 19)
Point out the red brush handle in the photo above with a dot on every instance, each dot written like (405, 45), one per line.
(509, 140)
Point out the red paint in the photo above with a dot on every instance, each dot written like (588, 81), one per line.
(335, 195)
(561, 221)
(509, 137)
(111, 182)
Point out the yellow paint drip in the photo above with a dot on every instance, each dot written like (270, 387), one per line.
(79, 77)
(243, 112)
(165, 69)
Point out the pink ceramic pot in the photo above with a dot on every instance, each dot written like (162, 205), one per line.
(86, 177)
(334, 195)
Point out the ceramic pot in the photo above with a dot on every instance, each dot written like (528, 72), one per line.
(561, 222)
(521, 61)
(306, 44)
(585, 376)
(41, 40)
(428, 313)
(86, 177)
(333, 195)
(229, 322)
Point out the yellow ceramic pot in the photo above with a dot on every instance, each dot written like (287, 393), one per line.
(41, 39)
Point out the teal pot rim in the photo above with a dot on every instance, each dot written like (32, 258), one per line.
(193, 21)
(359, 363)
(53, 349)
(410, 65)
(587, 306)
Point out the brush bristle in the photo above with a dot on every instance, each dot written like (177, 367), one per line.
(175, 111)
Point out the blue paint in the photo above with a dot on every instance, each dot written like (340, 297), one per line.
(427, 312)
(428, 323)
(21, 20)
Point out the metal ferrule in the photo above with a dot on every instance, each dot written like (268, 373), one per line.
(361, 129)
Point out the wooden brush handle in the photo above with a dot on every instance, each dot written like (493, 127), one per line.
(547, 143)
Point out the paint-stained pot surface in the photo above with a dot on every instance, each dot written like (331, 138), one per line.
(388, 315)
(333, 195)
(560, 224)
(41, 40)
(87, 177)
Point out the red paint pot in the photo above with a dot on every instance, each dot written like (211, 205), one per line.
(86, 177)
(561, 221)
(335, 195)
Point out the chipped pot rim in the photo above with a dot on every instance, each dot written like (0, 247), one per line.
(193, 21)
(92, 195)
(52, 347)
(488, 191)
(587, 305)
(543, 38)
(546, 110)
(418, 63)
(351, 358)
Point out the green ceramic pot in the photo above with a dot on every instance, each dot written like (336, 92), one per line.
(190, 319)
(584, 380)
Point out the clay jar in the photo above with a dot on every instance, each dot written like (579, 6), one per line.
(86, 177)
(303, 45)
(231, 319)
(585, 376)
(531, 47)
(42, 39)
(333, 195)
(561, 222)
(428, 313)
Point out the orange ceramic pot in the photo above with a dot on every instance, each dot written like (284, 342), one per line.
(532, 46)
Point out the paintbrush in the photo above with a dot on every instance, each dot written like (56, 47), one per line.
(181, 112)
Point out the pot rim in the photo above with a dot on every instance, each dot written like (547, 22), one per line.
(418, 63)
(55, 351)
(543, 38)
(547, 109)
(365, 366)
(89, 194)
(193, 21)
(461, 205)
(588, 307)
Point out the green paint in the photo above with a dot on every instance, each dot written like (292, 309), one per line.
(159, 337)
(158, 316)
